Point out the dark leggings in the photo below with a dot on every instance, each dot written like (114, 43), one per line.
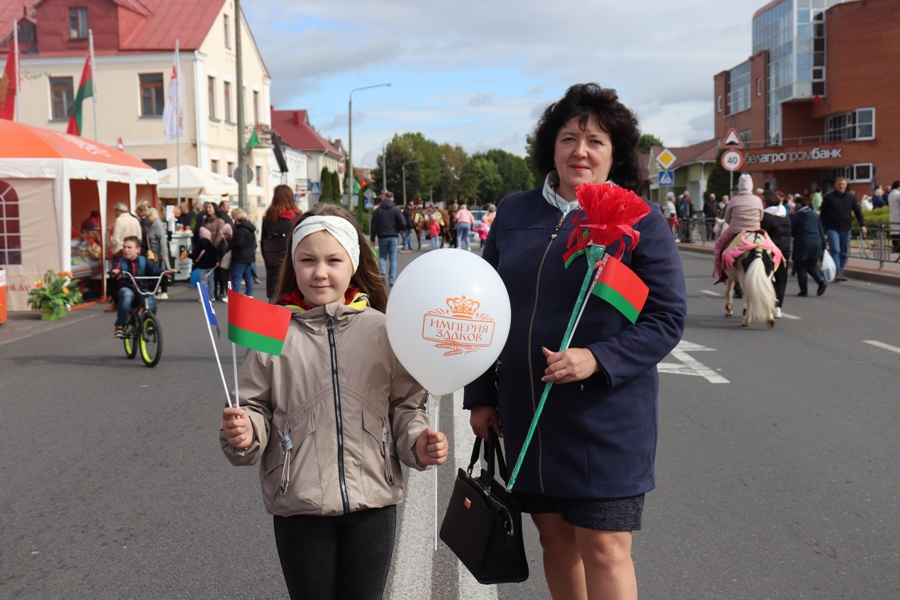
(781, 278)
(332, 558)
(807, 266)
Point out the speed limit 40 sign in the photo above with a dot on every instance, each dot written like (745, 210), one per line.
(732, 160)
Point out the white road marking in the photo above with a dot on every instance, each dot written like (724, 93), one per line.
(712, 293)
(463, 440)
(689, 365)
(882, 345)
(784, 315)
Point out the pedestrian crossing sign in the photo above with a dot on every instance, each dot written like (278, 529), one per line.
(315, 188)
(666, 178)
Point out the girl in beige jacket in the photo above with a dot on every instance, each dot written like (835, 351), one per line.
(330, 419)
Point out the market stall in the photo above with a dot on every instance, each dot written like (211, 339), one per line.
(50, 183)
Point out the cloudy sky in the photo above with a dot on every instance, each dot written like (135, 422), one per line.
(479, 73)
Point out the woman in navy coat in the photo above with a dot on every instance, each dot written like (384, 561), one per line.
(809, 242)
(591, 461)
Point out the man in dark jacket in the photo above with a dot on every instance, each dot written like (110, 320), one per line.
(710, 208)
(387, 223)
(838, 208)
(683, 209)
(776, 223)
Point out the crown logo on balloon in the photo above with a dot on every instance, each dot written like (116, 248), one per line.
(463, 308)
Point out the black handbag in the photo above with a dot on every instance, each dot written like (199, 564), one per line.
(483, 523)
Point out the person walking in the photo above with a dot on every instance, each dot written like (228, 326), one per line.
(838, 207)
(277, 223)
(243, 253)
(386, 225)
(330, 467)
(710, 208)
(683, 210)
(778, 226)
(893, 201)
(407, 231)
(464, 224)
(809, 241)
(157, 241)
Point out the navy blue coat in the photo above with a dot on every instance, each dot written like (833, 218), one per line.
(808, 234)
(597, 437)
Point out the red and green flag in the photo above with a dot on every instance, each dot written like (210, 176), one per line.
(619, 286)
(85, 91)
(256, 324)
(8, 89)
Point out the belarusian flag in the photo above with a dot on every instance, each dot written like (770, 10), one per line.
(256, 324)
(619, 286)
(85, 90)
(8, 88)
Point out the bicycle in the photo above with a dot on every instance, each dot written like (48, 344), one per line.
(142, 330)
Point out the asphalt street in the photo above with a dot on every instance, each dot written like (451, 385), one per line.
(777, 472)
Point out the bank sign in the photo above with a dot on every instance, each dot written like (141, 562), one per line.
(791, 157)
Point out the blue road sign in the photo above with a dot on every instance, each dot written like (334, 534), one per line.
(666, 178)
(315, 188)
(369, 204)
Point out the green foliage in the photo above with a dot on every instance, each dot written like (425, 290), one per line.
(57, 291)
(490, 183)
(455, 185)
(646, 141)
(335, 187)
(513, 170)
(529, 158)
(325, 180)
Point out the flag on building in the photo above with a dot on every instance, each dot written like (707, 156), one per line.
(8, 89)
(256, 324)
(173, 111)
(85, 91)
(208, 309)
(253, 141)
(619, 286)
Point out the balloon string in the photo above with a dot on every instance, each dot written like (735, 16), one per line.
(590, 279)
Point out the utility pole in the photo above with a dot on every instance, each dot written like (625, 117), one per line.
(239, 75)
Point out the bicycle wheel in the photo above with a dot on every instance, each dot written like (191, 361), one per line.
(131, 337)
(150, 339)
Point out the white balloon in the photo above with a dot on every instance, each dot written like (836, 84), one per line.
(448, 318)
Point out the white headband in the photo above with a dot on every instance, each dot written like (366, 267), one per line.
(340, 228)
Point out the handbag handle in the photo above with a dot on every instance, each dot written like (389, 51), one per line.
(492, 451)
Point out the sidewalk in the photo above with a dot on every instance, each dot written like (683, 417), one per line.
(857, 268)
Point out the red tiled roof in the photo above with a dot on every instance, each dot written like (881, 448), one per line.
(705, 151)
(294, 128)
(11, 10)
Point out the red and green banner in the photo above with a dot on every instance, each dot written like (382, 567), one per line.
(8, 89)
(85, 91)
(619, 286)
(256, 324)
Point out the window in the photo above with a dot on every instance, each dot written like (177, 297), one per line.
(211, 87)
(858, 173)
(258, 175)
(78, 24)
(739, 88)
(214, 166)
(230, 167)
(758, 87)
(226, 87)
(160, 164)
(61, 96)
(256, 107)
(152, 102)
(855, 125)
(225, 20)
(719, 103)
(10, 234)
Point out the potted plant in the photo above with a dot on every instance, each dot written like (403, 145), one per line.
(54, 295)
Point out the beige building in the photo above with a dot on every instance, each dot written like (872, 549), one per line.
(134, 48)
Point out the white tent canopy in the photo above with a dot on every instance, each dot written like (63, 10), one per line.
(195, 181)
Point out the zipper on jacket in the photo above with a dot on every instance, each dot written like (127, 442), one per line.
(385, 436)
(329, 324)
(537, 290)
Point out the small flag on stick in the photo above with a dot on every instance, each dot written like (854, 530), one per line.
(208, 308)
(619, 286)
(256, 324)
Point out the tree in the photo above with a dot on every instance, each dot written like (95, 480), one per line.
(487, 176)
(513, 170)
(529, 158)
(646, 141)
(454, 185)
(325, 180)
(335, 187)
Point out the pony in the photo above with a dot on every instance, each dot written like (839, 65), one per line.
(750, 260)
(419, 222)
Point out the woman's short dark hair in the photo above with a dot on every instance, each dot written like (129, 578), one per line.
(801, 200)
(586, 100)
(771, 199)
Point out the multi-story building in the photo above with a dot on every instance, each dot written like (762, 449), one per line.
(816, 99)
(134, 46)
(294, 128)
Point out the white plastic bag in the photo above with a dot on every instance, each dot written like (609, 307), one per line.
(829, 269)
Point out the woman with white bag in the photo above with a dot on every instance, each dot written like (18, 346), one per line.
(809, 244)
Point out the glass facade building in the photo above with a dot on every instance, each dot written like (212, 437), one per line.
(793, 34)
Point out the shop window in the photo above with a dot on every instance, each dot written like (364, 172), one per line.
(61, 96)
(854, 125)
(78, 24)
(152, 102)
(10, 232)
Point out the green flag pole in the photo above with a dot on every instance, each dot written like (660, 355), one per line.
(595, 255)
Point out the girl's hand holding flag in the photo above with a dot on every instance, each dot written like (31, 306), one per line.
(237, 427)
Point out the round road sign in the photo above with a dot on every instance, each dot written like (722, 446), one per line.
(732, 160)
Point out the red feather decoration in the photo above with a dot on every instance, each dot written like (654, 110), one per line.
(609, 214)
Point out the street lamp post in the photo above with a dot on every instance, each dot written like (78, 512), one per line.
(384, 166)
(350, 177)
(403, 169)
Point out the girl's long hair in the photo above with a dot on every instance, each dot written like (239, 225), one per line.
(282, 200)
(367, 277)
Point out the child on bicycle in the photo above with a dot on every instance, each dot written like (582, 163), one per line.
(331, 418)
(131, 261)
